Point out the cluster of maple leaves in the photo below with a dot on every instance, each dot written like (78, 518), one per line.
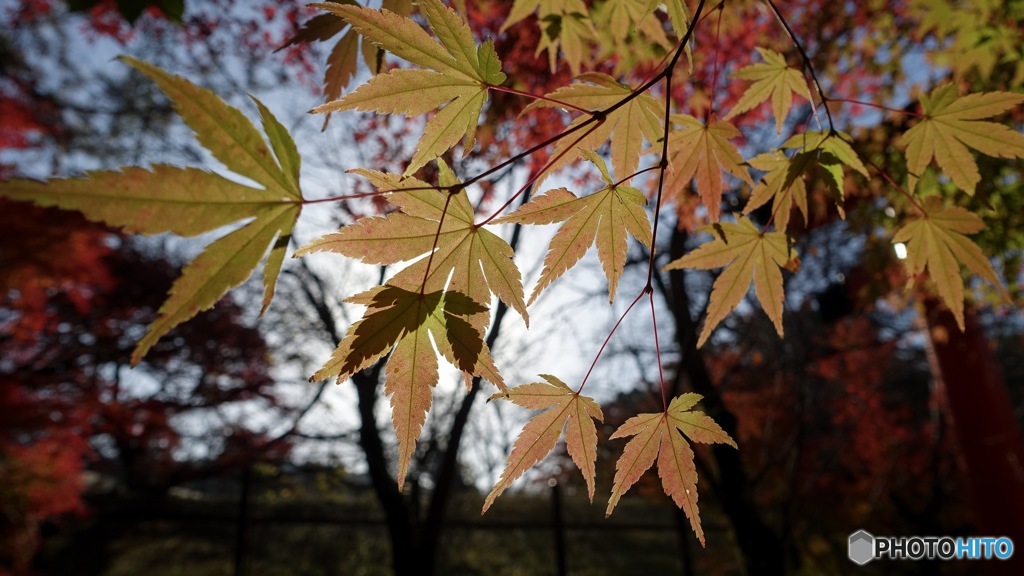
(439, 303)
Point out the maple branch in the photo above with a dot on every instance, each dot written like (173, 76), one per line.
(529, 151)
(599, 116)
(889, 179)
(608, 339)
(554, 101)
(714, 76)
(533, 178)
(635, 174)
(719, 6)
(657, 351)
(879, 107)
(807, 64)
(662, 166)
(346, 197)
(663, 162)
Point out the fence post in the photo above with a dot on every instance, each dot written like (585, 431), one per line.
(559, 526)
(242, 523)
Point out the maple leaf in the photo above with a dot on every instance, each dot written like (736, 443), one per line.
(936, 242)
(781, 184)
(748, 254)
(456, 79)
(602, 218)
(404, 323)
(189, 201)
(656, 436)
(478, 261)
(952, 125)
(627, 126)
(620, 16)
(521, 9)
(679, 14)
(703, 151)
(832, 151)
(566, 409)
(564, 24)
(772, 79)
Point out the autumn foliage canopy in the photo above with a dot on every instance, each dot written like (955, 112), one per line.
(625, 117)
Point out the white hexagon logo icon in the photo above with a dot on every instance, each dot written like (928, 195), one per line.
(862, 547)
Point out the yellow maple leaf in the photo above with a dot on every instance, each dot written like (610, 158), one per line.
(190, 201)
(748, 255)
(603, 218)
(952, 126)
(656, 436)
(406, 323)
(456, 77)
(565, 25)
(772, 79)
(628, 126)
(831, 151)
(936, 242)
(703, 152)
(782, 184)
(440, 227)
(565, 409)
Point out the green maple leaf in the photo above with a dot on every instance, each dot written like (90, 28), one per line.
(772, 79)
(620, 16)
(748, 254)
(782, 184)
(703, 152)
(679, 14)
(189, 201)
(659, 436)
(603, 218)
(937, 243)
(565, 409)
(831, 151)
(627, 127)
(410, 325)
(477, 261)
(564, 25)
(952, 126)
(521, 9)
(456, 77)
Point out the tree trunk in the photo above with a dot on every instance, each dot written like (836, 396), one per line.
(405, 555)
(759, 545)
(986, 432)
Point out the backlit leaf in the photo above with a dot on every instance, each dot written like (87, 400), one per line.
(456, 76)
(478, 261)
(952, 127)
(189, 201)
(748, 255)
(703, 152)
(565, 409)
(627, 127)
(404, 323)
(936, 243)
(831, 150)
(771, 79)
(221, 129)
(656, 436)
(603, 218)
(782, 184)
(565, 25)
